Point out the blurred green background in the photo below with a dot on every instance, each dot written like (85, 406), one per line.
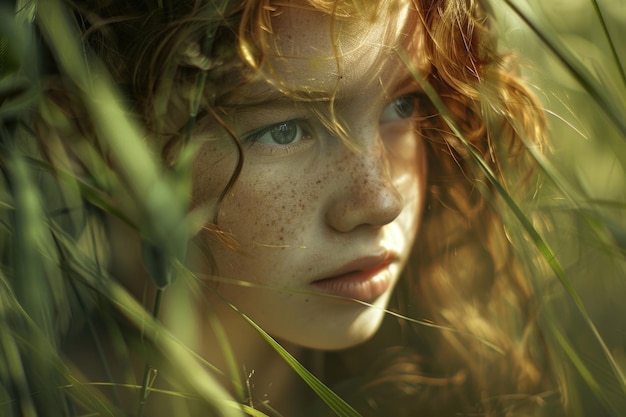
(574, 55)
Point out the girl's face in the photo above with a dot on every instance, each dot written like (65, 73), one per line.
(311, 216)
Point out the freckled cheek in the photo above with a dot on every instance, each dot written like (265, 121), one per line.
(265, 209)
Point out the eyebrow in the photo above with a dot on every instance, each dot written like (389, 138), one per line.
(268, 94)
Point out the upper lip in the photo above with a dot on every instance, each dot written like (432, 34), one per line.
(363, 263)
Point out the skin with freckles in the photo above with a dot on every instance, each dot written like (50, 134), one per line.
(318, 220)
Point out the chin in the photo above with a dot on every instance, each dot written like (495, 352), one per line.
(338, 332)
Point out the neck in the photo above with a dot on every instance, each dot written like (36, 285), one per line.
(252, 369)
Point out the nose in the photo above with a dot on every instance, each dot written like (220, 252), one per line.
(366, 194)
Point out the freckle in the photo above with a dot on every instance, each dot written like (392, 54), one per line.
(306, 300)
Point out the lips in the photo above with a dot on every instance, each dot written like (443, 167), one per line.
(363, 279)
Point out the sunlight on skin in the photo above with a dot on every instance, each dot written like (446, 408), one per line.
(351, 210)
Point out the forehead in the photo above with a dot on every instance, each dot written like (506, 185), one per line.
(325, 55)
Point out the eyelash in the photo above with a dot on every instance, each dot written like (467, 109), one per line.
(257, 134)
(304, 130)
(303, 135)
(394, 105)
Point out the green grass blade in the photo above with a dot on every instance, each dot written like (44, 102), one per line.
(9, 355)
(205, 386)
(334, 402)
(570, 352)
(609, 39)
(576, 69)
(89, 192)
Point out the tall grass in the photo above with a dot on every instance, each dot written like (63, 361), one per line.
(50, 240)
(575, 60)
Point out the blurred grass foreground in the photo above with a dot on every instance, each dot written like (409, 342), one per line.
(574, 55)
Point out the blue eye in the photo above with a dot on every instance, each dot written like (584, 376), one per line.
(283, 133)
(400, 108)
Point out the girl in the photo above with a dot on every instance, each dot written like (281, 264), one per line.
(340, 211)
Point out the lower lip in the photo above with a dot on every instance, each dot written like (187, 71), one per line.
(361, 285)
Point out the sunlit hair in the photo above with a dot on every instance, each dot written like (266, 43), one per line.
(464, 273)
(464, 270)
